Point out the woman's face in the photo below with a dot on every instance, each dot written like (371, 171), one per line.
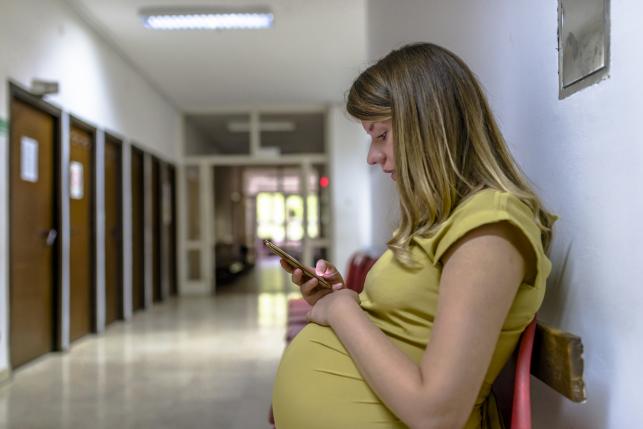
(381, 149)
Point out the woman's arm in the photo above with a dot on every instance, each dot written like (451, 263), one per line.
(481, 274)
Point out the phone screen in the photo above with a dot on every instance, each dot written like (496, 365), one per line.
(295, 263)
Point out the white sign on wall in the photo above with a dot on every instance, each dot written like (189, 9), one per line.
(76, 184)
(28, 159)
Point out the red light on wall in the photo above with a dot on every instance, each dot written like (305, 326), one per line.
(324, 181)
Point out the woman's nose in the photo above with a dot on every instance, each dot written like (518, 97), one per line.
(374, 156)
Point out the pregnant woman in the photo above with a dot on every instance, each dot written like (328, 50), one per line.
(464, 273)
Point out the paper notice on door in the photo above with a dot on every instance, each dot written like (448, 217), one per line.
(76, 185)
(28, 159)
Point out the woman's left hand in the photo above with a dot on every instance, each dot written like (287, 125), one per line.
(327, 307)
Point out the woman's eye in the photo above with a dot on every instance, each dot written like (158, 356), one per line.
(382, 137)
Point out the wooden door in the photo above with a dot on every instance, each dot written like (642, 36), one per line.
(174, 285)
(113, 241)
(138, 225)
(81, 296)
(32, 232)
(156, 231)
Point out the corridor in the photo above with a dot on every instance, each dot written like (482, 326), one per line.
(191, 362)
(149, 147)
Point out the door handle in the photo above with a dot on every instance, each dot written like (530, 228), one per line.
(51, 237)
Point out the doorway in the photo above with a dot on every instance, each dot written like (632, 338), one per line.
(168, 272)
(113, 231)
(81, 215)
(33, 226)
(157, 294)
(138, 225)
(173, 275)
(282, 203)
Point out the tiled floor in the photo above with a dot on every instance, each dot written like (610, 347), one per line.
(203, 362)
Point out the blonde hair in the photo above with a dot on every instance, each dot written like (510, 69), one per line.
(447, 143)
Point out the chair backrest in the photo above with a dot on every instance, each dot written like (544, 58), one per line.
(358, 267)
(521, 404)
(551, 355)
(558, 361)
(364, 266)
(512, 387)
(353, 268)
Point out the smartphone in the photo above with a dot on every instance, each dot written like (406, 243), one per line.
(295, 263)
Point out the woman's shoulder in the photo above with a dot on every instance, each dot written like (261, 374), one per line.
(483, 207)
(492, 205)
(490, 199)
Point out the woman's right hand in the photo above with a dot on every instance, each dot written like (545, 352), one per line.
(310, 289)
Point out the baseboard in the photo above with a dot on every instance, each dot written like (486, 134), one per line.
(5, 376)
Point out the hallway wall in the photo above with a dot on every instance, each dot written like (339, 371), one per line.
(46, 39)
(583, 154)
(350, 190)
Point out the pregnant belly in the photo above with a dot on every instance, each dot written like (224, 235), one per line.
(319, 386)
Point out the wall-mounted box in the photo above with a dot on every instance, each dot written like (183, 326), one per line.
(583, 44)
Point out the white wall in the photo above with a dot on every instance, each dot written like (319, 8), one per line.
(45, 39)
(584, 155)
(385, 207)
(350, 190)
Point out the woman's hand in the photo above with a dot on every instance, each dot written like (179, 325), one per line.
(310, 289)
(326, 309)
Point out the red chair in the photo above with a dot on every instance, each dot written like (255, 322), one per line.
(521, 403)
(353, 267)
(512, 388)
(364, 267)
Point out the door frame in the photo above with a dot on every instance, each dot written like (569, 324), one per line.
(93, 131)
(60, 341)
(135, 147)
(121, 213)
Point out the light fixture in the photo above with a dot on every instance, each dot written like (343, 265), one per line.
(269, 126)
(206, 18)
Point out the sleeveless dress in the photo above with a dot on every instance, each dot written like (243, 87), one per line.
(318, 385)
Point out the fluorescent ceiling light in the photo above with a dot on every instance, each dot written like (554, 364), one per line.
(206, 18)
(275, 126)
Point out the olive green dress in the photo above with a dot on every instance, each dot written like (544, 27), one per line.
(317, 383)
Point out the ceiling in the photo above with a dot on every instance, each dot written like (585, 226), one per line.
(306, 135)
(309, 57)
